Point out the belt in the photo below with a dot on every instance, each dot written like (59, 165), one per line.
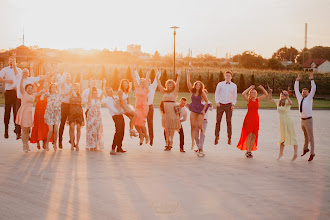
(226, 104)
(306, 118)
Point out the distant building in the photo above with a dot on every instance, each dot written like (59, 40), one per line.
(286, 63)
(134, 49)
(317, 65)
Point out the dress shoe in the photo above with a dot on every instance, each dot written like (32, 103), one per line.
(6, 134)
(229, 141)
(18, 136)
(311, 157)
(60, 145)
(151, 142)
(182, 150)
(216, 140)
(121, 150)
(305, 152)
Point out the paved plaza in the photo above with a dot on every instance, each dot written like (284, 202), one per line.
(148, 183)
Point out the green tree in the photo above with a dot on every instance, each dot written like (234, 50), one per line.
(103, 74)
(211, 84)
(253, 80)
(303, 56)
(241, 85)
(163, 78)
(200, 77)
(156, 56)
(152, 75)
(221, 77)
(249, 59)
(286, 54)
(129, 74)
(275, 64)
(90, 74)
(141, 74)
(115, 79)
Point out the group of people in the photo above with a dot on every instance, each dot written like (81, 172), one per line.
(59, 102)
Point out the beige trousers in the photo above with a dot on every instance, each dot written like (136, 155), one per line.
(307, 127)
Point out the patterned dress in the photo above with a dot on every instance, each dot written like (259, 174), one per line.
(76, 111)
(141, 105)
(53, 109)
(94, 127)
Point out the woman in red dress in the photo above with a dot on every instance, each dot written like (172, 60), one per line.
(250, 129)
(40, 128)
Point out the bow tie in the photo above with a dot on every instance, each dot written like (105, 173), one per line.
(227, 82)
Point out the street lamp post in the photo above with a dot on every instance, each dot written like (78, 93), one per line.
(174, 33)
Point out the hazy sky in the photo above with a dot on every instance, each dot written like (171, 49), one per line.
(206, 26)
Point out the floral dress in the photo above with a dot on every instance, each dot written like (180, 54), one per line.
(94, 127)
(53, 109)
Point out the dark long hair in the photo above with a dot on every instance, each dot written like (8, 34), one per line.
(121, 86)
(194, 90)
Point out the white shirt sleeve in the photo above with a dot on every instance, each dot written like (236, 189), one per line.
(235, 95)
(137, 75)
(217, 94)
(2, 73)
(313, 90)
(153, 86)
(296, 91)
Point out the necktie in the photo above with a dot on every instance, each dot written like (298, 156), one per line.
(301, 103)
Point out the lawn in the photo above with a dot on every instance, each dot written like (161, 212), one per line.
(318, 103)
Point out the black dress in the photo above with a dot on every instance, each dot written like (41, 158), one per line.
(76, 110)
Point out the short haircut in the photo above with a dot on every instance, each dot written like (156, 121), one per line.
(305, 89)
(184, 99)
(229, 73)
(28, 86)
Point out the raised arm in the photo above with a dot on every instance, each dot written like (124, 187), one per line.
(313, 86)
(270, 98)
(244, 94)
(265, 93)
(103, 90)
(296, 88)
(134, 72)
(177, 83)
(161, 88)
(188, 81)
(289, 100)
(21, 84)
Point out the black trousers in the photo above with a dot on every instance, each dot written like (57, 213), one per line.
(65, 111)
(10, 103)
(18, 105)
(119, 133)
(181, 133)
(150, 121)
(227, 109)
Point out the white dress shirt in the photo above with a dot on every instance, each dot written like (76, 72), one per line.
(152, 88)
(307, 105)
(85, 94)
(8, 73)
(226, 93)
(210, 108)
(28, 80)
(65, 91)
(183, 114)
(110, 103)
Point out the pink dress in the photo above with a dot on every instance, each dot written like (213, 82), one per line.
(24, 116)
(94, 127)
(141, 105)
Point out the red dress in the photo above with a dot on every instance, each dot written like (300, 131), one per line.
(250, 125)
(40, 128)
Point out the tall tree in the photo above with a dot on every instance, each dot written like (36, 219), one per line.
(103, 74)
(156, 56)
(129, 74)
(253, 80)
(241, 85)
(286, 54)
(275, 64)
(221, 77)
(249, 59)
(163, 78)
(115, 79)
(211, 84)
(152, 75)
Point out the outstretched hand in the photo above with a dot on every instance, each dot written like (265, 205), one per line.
(298, 77)
(311, 76)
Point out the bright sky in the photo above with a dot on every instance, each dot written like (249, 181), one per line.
(206, 26)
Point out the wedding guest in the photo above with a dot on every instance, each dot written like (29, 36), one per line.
(197, 109)
(305, 100)
(25, 112)
(225, 97)
(117, 116)
(183, 118)
(141, 106)
(151, 95)
(170, 116)
(287, 130)
(250, 129)
(200, 138)
(40, 128)
(123, 94)
(65, 80)
(76, 116)
(94, 126)
(84, 97)
(8, 77)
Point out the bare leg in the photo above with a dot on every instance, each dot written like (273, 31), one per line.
(200, 121)
(141, 135)
(25, 138)
(144, 132)
(50, 132)
(133, 118)
(72, 135)
(193, 119)
(248, 143)
(171, 138)
(295, 155)
(78, 135)
(55, 136)
(281, 151)
(253, 139)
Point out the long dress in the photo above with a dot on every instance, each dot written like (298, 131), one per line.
(94, 127)
(40, 128)
(53, 109)
(76, 111)
(24, 115)
(250, 125)
(287, 130)
(170, 120)
(141, 106)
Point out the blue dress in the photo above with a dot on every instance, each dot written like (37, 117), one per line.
(196, 104)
